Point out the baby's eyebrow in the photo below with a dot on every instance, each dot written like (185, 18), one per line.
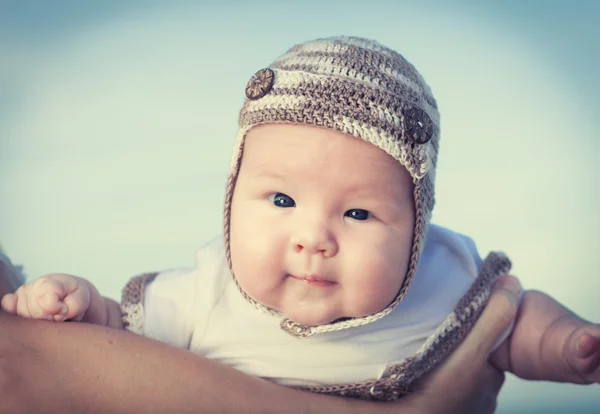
(264, 173)
(367, 187)
(378, 192)
(385, 200)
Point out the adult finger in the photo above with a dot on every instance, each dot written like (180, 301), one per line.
(494, 378)
(495, 319)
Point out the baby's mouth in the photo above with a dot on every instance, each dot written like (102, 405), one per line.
(314, 280)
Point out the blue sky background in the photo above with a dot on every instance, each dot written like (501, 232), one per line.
(117, 118)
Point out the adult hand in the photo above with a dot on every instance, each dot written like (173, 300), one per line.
(466, 382)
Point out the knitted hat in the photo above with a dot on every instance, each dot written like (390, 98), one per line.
(360, 88)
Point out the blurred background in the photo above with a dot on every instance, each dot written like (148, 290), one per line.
(117, 120)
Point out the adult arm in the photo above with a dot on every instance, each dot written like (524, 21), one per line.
(80, 368)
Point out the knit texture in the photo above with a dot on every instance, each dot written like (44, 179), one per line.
(360, 88)
(132, 302)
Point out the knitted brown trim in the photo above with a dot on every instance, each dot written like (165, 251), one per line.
(132, 302)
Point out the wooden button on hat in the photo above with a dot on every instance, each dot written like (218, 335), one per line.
(260, 84)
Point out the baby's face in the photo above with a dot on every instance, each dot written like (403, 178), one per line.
(321, 223)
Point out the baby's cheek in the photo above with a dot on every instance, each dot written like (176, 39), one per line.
(257, 265)
(374, 285)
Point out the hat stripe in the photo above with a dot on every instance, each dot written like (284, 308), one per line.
(372, 77)
(286, 98)
(295, 83)
(374, 63)
(327, 62)
(275, 101)
(339, 43)
(321, 72)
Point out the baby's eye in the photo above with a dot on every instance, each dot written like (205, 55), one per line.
(282, 200)
(358, 214)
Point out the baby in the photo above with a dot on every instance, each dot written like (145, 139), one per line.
(329, 276)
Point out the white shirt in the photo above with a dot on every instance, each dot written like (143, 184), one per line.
(201, 309)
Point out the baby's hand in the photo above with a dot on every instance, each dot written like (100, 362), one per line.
(583, 354)
(54, 297)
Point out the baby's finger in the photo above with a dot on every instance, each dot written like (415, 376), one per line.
(77, 302)
(50, 305)
(22, 303)
(497, 316)
(43, 298)
(9, 303)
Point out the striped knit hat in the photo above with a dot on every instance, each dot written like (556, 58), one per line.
(360, 88)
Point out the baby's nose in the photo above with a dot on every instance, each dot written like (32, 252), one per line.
(317, 239)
